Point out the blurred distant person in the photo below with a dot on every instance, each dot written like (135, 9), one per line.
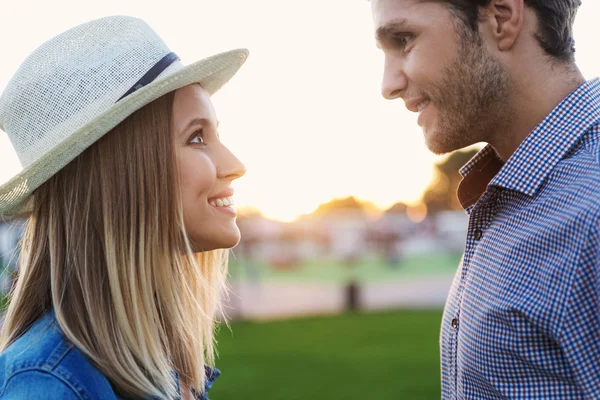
(392, 242)
(11, 233)
(522, 320)
(250, 253)
(128, 191)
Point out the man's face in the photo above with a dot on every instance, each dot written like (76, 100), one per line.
(442, 71)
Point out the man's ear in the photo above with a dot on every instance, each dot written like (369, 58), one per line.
(505, 21)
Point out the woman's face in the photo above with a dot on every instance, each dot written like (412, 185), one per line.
(206, 171)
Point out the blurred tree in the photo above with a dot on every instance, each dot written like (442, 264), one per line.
(398, 208)
(346, 204)
(441, 193)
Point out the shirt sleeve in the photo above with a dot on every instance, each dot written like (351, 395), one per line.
(580, 333)
(37, 385)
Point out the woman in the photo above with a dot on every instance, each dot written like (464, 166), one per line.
(127, 189)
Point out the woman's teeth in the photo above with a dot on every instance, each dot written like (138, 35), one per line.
(224, 202)
(422, 105)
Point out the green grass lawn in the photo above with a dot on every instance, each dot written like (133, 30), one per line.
(3, 298)
(367, 270)
(393, 355)
(382, 356)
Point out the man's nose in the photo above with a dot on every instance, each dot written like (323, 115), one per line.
(394, 79)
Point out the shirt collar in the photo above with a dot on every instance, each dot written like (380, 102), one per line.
(538, 154)
(477, 173)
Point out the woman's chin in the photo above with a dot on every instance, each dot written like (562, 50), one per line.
(225, 240)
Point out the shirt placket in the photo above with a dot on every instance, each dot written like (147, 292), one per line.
(480, 217)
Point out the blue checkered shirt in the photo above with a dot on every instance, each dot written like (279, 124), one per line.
(522, 320)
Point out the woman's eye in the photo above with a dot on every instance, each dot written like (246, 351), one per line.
(197, 137)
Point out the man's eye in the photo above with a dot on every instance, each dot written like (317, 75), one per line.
(197, 137)
(403, 39)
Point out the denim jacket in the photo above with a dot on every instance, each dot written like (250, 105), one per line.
(43, 364)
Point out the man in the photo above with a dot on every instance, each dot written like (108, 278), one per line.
(522, 320)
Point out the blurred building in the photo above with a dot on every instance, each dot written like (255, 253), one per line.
(348, 235)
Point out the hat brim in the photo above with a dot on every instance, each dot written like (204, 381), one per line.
(212, 73)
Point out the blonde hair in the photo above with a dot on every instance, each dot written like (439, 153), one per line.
(106, 247)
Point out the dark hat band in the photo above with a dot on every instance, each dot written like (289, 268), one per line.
(151, 75)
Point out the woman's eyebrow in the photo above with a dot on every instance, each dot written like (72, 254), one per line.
(197, 121)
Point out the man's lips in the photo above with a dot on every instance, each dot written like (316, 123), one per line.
(417, 104)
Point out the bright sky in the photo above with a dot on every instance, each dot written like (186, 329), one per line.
(304, 114)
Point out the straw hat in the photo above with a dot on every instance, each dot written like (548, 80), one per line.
(79, 85)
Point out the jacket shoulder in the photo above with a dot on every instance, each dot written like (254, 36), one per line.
(46, 361)
(36, 384)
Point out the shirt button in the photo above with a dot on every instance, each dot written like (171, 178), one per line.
(478, 234)
(455, 323)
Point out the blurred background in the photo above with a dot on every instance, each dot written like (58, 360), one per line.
(351, 230)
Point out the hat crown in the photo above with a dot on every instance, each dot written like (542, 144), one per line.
(73, 78)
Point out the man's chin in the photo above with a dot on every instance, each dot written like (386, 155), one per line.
(439, 143)
(440, 148)
(435, 143)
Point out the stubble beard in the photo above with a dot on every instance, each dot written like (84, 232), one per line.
(472, 99)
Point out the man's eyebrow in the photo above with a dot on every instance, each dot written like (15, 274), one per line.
(385, 31)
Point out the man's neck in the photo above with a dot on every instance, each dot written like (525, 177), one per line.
(534, 96)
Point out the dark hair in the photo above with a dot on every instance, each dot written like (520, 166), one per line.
(555, 18)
